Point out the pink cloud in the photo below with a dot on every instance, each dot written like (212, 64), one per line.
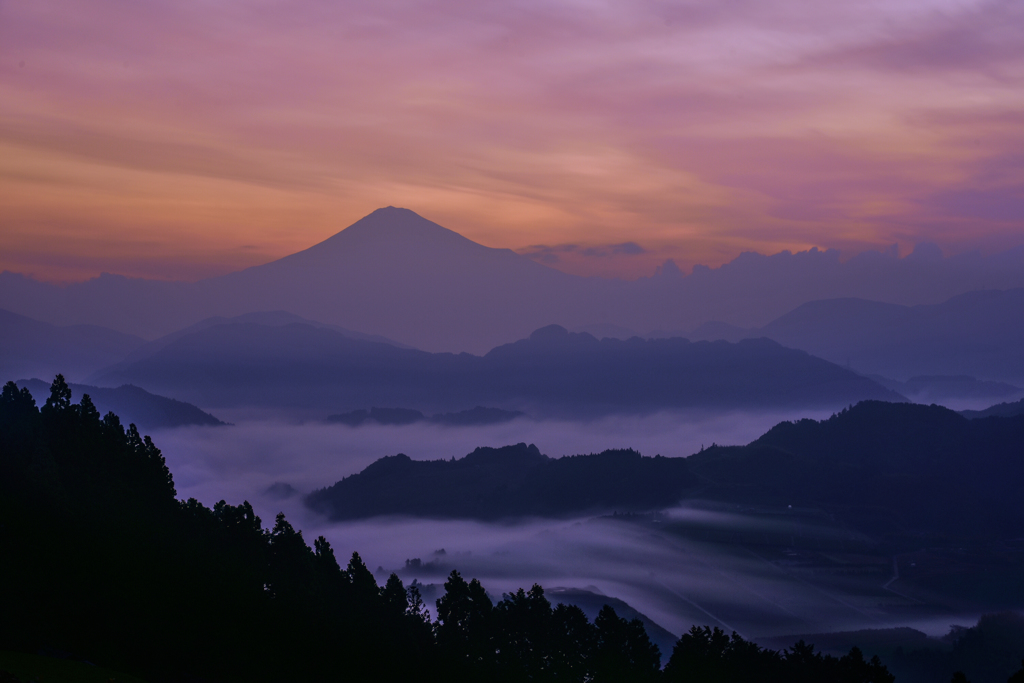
(695, 129)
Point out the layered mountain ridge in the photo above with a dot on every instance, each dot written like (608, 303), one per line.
(552, 373)
(978, 334)
(396, 274)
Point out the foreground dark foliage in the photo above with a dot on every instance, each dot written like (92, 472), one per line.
(988, 652)
(100, 560)
(709, 655)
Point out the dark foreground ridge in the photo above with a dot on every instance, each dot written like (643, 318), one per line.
(102, 563)
(514, 481)
(987, 652)
(893, 470)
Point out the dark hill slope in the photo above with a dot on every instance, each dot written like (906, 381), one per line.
(553, 373)
(514, 481)
(563, 368)
(134, 405)
(171, 590)
(896, 471)
(999, 410)
(891, 469)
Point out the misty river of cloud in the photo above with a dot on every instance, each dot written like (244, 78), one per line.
(675, 581)
(241, 461)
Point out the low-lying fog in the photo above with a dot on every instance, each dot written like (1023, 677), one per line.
(676, 580)
(242, 460)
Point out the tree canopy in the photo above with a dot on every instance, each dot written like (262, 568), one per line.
(103, 561)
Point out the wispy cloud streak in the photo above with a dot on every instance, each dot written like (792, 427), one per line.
(183, 130)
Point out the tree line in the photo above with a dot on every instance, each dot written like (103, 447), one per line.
(101, 560)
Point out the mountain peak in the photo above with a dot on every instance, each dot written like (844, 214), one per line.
(550, 334)
(390, 237)
(394, 225)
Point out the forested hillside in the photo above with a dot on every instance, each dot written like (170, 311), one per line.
(512, 481)
(895, 469)
(102, 562)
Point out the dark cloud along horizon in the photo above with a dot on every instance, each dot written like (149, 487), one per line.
(1007, 206)
(628, 248)
(551, 253)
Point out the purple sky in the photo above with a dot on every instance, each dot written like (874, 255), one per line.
(188, 138)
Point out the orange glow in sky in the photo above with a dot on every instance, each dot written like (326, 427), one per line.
(190, 138)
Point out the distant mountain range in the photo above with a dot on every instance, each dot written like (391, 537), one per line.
(397, 274)
(402, 280)
(943, 389)
(553, 373)
(999, 410)
(29, 348)
(131, 404)
(893, 470)
(978, 334)
(266, 318)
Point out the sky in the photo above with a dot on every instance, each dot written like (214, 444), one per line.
(184, 139)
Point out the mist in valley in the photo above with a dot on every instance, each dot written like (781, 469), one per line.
(679, 568)
(439, 284)
(244, 459)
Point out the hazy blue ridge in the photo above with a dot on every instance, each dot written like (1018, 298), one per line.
(999, 410)
(553, 373)
(30, 348)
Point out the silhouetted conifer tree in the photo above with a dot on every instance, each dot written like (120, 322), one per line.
(109, 565)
